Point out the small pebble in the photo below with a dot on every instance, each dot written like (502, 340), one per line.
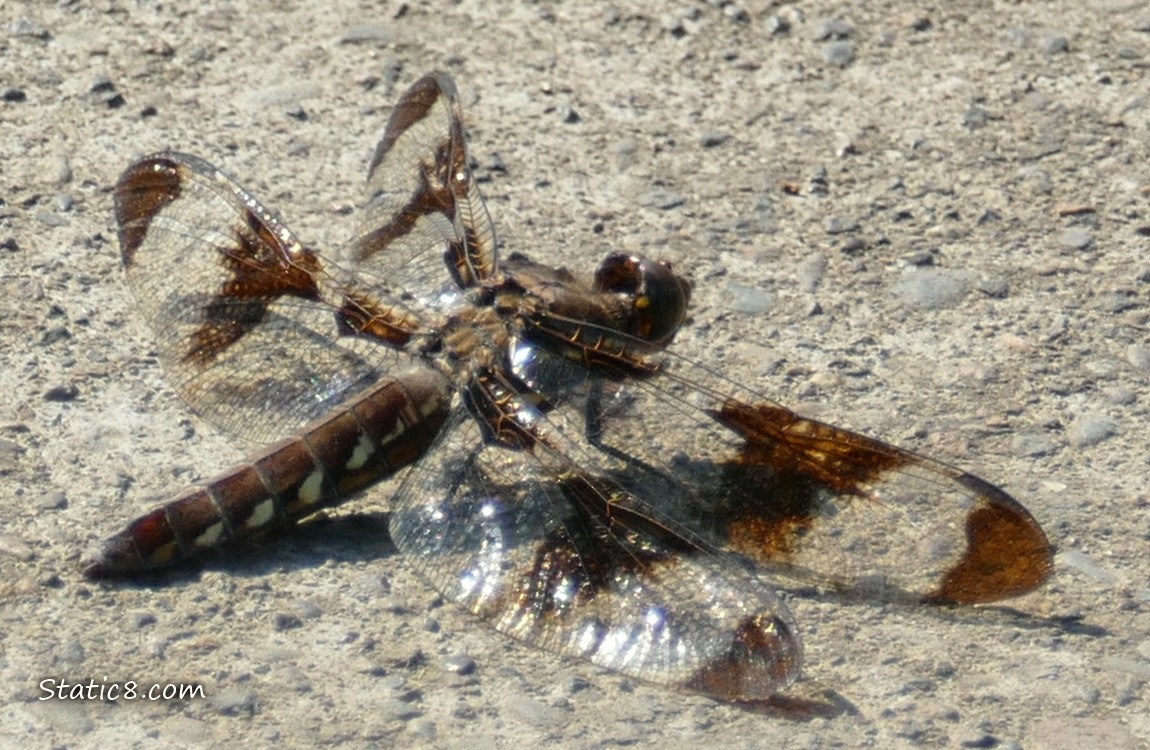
(840, 53)
(1130, 666)
(285, 621)
(101, 85)
(55, 500)
(15, 547)
(748, 299)
(675, 26)
(62, 393)
(568, 114)
(1090, 429)
(392, 710)
(818, 184)
(159, 48)
(579, 684)
(1121, 396)
(63, 173)
(736, 13)
(933, 288)
(366, 32)
(1139, 356)
(425, 729)
(51, 336)
(833, 28)
(294, 679)
(776, 24)
(29, 28)
(1086, 565)
(233, 702)
(853, 246)
(835, 225)
(72, 653)
(1116, 302)
(811, 272)
(975, 117)
(1075, 239)
(461, 664)
(10, 455)
(994, 286)
(308, 610)
(50, 219)
(664, 199)
(712, 138)
(980, 740)
(533, 712)
(143, 619)
(1054, 44)
(920, 23)
(1032, 444)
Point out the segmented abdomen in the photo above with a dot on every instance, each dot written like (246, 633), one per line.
(360, 443)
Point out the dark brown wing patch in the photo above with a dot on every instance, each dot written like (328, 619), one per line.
(1008, 554)
(790, 445)
(764, 653)
(260, 269)
(791, 460)
(144, 190)
(423, 203)
(793, 476)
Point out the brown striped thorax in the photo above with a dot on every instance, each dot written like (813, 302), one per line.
(567, 478)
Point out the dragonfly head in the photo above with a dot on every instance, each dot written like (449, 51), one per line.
(657, 296)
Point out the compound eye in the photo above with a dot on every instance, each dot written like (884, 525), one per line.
(657, 298)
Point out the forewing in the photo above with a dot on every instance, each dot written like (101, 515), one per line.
(424, 214)
(246, 319)
(814, 503)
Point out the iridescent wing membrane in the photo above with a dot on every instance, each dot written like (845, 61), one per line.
(575, 485)
(246, 317)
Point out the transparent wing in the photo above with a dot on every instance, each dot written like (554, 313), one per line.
(246, 319)
(810, 502)
(529, 542)
(424, 216)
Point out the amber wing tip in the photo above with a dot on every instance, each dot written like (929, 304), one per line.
(1008, 553)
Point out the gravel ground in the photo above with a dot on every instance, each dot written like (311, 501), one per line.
(926, 223)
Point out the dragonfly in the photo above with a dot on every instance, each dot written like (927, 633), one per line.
(565, 476)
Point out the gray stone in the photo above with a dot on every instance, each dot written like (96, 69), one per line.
(833, 28)
(1090, 429)
(835, 225)
(841, 53)
(748, 300)
(933, 288)
(664, 199)
(234, 702)
(1075, 239)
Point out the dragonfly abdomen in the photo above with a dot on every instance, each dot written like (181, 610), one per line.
(367, 440)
